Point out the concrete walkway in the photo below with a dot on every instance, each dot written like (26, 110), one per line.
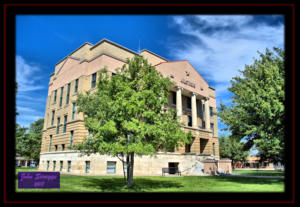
(254, 176)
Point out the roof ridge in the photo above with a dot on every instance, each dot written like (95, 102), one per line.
(73, 52)
(154, 54)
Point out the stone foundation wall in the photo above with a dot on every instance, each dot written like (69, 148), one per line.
(213, 166)
(189, 164)
(210, 167)
(225, 165)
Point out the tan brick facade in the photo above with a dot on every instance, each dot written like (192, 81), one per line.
(87, 60)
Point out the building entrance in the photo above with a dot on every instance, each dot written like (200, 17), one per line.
(173, 167)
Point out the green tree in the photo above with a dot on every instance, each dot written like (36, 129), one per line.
(16, 88)
(127, 116)
(257, 109)
(28, 140)
(20, 137)
(233, 149)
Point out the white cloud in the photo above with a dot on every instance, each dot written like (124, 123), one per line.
(25, 109)
(222, 45)
(29, 101)
(224, 20)
(27, 75)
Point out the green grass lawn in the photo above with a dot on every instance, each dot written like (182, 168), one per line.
(71, 183)
(259, 172)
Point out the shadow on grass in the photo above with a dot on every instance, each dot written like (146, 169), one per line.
(117, 184)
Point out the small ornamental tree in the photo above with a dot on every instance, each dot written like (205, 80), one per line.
(126, 115)
(233, 149)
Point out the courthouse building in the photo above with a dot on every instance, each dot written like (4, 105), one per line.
(192, 97)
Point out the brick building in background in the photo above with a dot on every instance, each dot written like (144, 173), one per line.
(193, 98)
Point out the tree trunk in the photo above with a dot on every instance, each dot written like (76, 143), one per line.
(130, 165)
(124, 172)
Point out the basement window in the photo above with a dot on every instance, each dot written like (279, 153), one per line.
(54, 165)
(111, 167)
(61, 165)
(69, 166)
(87, 166)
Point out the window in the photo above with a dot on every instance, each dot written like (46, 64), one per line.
(47, 120)
(94, 76)
(62, 147)
(189, 103)
(69, 166)
(203, 124)
(71, 139)
(111, 167)
(65, 123)
(87, 166)
(73, 111)
(212, 129)
(189, 121)
(203, 110)
(200, 107)
(174, 97)
(171, 149)
(55, 147)
(211, 111)
(61, 165)
(48, 163)
(55, 93)
(57, 126)
(188, 148)
(61, 95)
(50, 143)
(52, 120)
(76, 86)
(89, 135)
(54, 165)
(214, 150)
(49, 101)
(68, 93)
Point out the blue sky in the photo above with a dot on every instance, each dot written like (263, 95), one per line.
(218, 46)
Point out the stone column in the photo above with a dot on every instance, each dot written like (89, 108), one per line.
(179, 102)
(207, 115)
(26, 163)
(194, 111)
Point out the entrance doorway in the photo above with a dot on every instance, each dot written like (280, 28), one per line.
(173, 167)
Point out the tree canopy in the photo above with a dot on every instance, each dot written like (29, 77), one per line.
(28, 140)
(126, 114)
(257, 111)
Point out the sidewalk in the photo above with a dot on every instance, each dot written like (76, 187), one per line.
(254, 176)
